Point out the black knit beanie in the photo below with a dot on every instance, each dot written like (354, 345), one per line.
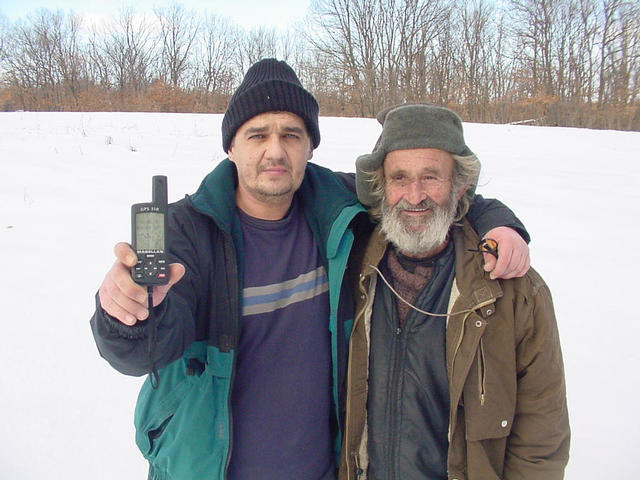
(268, 86)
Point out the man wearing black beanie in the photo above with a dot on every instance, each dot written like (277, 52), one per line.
(252, 329)
(270, 86)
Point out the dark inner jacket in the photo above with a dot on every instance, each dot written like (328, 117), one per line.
(409, 369)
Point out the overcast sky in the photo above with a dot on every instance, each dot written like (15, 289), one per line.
(247, 13)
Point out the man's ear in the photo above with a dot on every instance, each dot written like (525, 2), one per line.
(310, 154)
(230, 152)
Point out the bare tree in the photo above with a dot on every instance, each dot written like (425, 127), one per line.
(43, 59)
(582, 63)
(254, 45)
(214, 54)
(441, 70)
(423, 26)
(501, 77)
(619, 52)
(4, 32)
(382, 45)
(178, 31)
(341, 30)
(290, 48)
(130, 49)
(475, 56)
(69, 54)
(536, 29)
(569, 62)
(100, 68)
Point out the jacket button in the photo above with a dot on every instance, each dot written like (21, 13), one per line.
(478, 323)
(504, 424)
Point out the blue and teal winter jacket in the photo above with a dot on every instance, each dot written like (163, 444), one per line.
(183, 427)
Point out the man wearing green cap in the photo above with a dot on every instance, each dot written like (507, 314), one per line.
(452, 374)
(252, 328)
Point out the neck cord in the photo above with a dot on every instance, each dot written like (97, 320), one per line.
(424, 312)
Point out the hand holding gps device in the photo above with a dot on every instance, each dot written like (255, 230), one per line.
(149, 236)
(149, 241)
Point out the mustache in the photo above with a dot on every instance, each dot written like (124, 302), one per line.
(271, 163)
(426, 204)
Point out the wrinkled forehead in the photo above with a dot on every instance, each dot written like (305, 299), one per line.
(275, 118)
(418, 160)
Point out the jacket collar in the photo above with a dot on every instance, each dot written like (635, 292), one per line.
(328, 205)
(216, 196)
(375, 249)
(323, 197)
(473, 283)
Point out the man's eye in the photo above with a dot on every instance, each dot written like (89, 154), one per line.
(292, 136)
(257, 136)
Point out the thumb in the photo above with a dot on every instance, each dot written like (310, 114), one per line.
(489, 262)
(176, 272)
(125, 254)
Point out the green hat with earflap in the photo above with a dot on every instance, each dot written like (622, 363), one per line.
(409, 126)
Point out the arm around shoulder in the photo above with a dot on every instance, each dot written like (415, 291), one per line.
(486, 213)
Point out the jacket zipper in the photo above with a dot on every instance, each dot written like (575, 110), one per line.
(234, 295)
(226, 347)
(393, 399)
(455, 354)
(481, 373)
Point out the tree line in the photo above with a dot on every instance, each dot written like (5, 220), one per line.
(546, 62)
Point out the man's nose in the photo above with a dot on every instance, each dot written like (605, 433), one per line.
(274, 148)
(415, 193)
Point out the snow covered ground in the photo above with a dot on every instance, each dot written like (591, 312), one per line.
(67, 181)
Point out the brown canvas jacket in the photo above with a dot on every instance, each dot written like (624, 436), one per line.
(508, 417)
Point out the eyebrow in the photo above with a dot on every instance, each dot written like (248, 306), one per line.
(433, 171)
(298, 130)
(252, 130)
(285, 129)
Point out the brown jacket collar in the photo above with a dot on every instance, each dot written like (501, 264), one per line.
(474, 289)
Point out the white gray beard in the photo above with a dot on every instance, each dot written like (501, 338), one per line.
(396, 228)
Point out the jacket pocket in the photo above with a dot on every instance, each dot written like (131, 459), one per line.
(489, 399)
(489, 427)
(182, 428)
(156, 408)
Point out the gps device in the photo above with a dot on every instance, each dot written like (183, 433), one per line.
(149, 236)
